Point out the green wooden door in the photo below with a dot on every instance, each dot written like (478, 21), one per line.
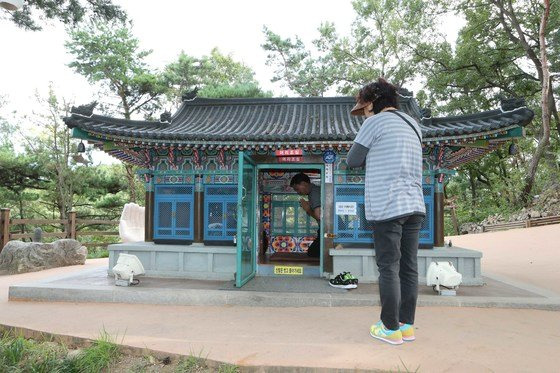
(246, 224)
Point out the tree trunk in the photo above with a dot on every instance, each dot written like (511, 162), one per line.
(545, 105)
(473, 192)
(129, 168)
(131, 182)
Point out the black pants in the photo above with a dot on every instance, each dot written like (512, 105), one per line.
(396, 251)
(314, 250)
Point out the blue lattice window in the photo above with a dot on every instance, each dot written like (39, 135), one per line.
(427, 230)
(352, 228)
(356, 228)
(173, 212)
(289, 219)
(220, 212)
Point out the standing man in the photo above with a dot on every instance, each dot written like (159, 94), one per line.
(389, 143)
(303, 186)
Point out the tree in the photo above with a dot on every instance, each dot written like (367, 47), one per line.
(110, 55)
(52, 149)
(19, 174)
(69, 12)
(296, 66)
(380, 44)
(499, 53)
(216, 76)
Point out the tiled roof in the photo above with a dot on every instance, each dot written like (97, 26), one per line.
(285, 120)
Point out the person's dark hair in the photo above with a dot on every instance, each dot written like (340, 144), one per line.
(382, 93)
(298, 178)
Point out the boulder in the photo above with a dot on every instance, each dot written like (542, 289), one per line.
(21, 257)
(534, 214)
(469, 228)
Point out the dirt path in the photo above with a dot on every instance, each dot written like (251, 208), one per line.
(530, 255)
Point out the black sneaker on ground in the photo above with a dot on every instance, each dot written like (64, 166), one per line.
(342, 283)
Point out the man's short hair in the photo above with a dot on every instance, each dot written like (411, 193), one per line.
(298, 178)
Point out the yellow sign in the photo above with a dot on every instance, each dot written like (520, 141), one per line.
(286, 270)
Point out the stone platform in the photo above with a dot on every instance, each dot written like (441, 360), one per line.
(93, 285)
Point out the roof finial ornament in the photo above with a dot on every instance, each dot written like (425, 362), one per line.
(510, 104)
(189, 96)
(85, 110)
(165, 117)
(405, 93)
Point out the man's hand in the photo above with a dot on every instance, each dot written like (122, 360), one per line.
(304, 205)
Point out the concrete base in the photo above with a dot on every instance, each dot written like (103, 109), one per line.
(195, 261)
(361, 262)
(93, 285)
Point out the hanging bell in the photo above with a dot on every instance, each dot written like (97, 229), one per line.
(513, 149)
(81, 147)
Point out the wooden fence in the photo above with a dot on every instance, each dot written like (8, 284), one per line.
(72, 228)
(522, 224)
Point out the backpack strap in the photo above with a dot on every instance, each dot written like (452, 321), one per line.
(407, 122)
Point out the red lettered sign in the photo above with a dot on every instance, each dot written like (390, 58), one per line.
(289, 153)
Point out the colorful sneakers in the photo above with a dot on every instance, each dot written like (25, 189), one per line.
(344, 280)
(379, 331)
(407, 332)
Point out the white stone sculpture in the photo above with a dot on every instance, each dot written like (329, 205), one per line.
(131, 225)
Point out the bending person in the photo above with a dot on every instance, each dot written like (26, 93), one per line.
(303, 186)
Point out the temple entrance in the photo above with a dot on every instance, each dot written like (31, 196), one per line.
(287, 234)
(274, 232)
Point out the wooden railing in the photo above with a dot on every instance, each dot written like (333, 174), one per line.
(522, 224)
(69, 227)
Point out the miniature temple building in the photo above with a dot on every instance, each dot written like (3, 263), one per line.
(217, 173)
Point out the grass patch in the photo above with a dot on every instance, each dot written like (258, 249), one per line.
(99, 355)
(96, 253)
(20, 355)
(198, 364)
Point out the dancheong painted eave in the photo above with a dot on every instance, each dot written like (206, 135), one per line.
(311, 120)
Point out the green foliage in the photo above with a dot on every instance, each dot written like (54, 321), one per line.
(99, 355)
(381, 43)
(69, 12)
(18, 354)
(109, 54)
(243, 90)
(12, 350)
(191, 364)
(98, 253)
(228, 368)
(296, 67)
(216, 76)
(488, 62)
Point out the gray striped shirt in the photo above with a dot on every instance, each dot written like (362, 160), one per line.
(393, 167)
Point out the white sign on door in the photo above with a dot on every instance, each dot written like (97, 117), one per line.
(346, 208)
(328, 173)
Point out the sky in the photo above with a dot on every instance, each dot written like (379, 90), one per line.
(30, 61)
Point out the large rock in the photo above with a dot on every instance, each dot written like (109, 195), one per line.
(21, 257)
(470, 228)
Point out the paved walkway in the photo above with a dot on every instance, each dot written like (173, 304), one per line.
(529, 255)
(449, 338)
